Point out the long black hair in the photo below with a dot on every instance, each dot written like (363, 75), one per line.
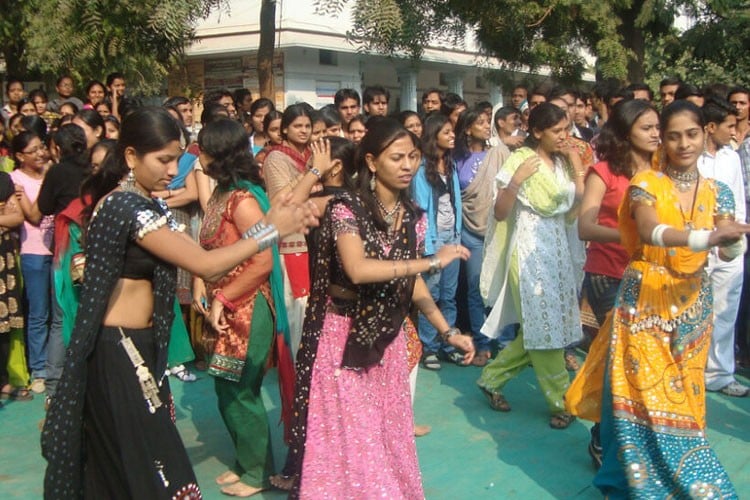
(542, 117)
(225, 142)
(432, 126)
(146, 130)
(345, 151)
(20, 142)
(290, 114)
(465, 121)
(71, 139)
(613, 145)
(383, 133)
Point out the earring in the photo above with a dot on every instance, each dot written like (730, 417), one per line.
(128, 184)
(372, 182)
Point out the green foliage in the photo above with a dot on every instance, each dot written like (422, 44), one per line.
(90, 38)
(396, 28)
(715, 49)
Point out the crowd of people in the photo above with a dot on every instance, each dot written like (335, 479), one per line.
(347, 246)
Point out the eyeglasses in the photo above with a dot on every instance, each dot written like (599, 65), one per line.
(34, 151)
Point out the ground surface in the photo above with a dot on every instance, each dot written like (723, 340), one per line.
(472, 451)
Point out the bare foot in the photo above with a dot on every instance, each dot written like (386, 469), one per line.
(240, 489)
(421, 430)
(282, 482)
(226, 478)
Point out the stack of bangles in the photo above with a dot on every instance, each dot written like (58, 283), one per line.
(512, 186)
(698, 241)
(265, 235)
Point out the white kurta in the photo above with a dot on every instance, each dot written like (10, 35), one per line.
(540, 247)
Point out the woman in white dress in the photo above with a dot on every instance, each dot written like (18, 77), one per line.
(528, 274)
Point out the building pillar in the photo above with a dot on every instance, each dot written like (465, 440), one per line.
(496, 94)
(456, 83)
(408, 79)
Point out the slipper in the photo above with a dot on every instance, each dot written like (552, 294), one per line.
(561, 421)
(497, 401)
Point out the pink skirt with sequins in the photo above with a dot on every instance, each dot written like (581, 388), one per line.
(360, 430)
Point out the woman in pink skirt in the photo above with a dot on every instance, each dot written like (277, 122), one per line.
(354, 434)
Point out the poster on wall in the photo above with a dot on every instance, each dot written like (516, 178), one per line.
(325, 92)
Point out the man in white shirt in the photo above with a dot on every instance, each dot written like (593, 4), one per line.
(720, 162)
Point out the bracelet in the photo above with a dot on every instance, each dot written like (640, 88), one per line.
(316, 172)
(512, 186)
(731, 252)
(434, 265)
(254, 230)
(268, 240)
(657, 235)
(219, 295)
(450, 333)
(698, 240)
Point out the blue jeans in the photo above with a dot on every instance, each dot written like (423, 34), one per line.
(38, 288)
(442, 286)
(55, 347)
(474, 302)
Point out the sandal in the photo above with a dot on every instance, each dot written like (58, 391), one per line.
(183, 374)
(561, 421)
(496, 400)
(571, 361)
(282, 482)
(17, 394)
(431, 362)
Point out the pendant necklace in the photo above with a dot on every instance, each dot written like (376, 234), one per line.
(389, 216)
(683, 181)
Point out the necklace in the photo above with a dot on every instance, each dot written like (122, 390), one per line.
(389, 216)
(683, 181)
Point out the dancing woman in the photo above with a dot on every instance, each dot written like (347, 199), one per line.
(650, 393)
(625, 145)
(109, 432)
(352, 404)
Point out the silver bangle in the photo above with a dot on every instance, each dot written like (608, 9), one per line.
(434, 265)
(254, 230)
(267, 240)
(450, 333)
(316, 172)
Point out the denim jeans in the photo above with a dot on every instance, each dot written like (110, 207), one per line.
(474, 302)
(55, 347)
(37, 282)
(442, 286)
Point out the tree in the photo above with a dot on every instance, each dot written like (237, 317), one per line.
(13, 22)
(266, 47)
(397, 28)
(716, 48)
(89, 38)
